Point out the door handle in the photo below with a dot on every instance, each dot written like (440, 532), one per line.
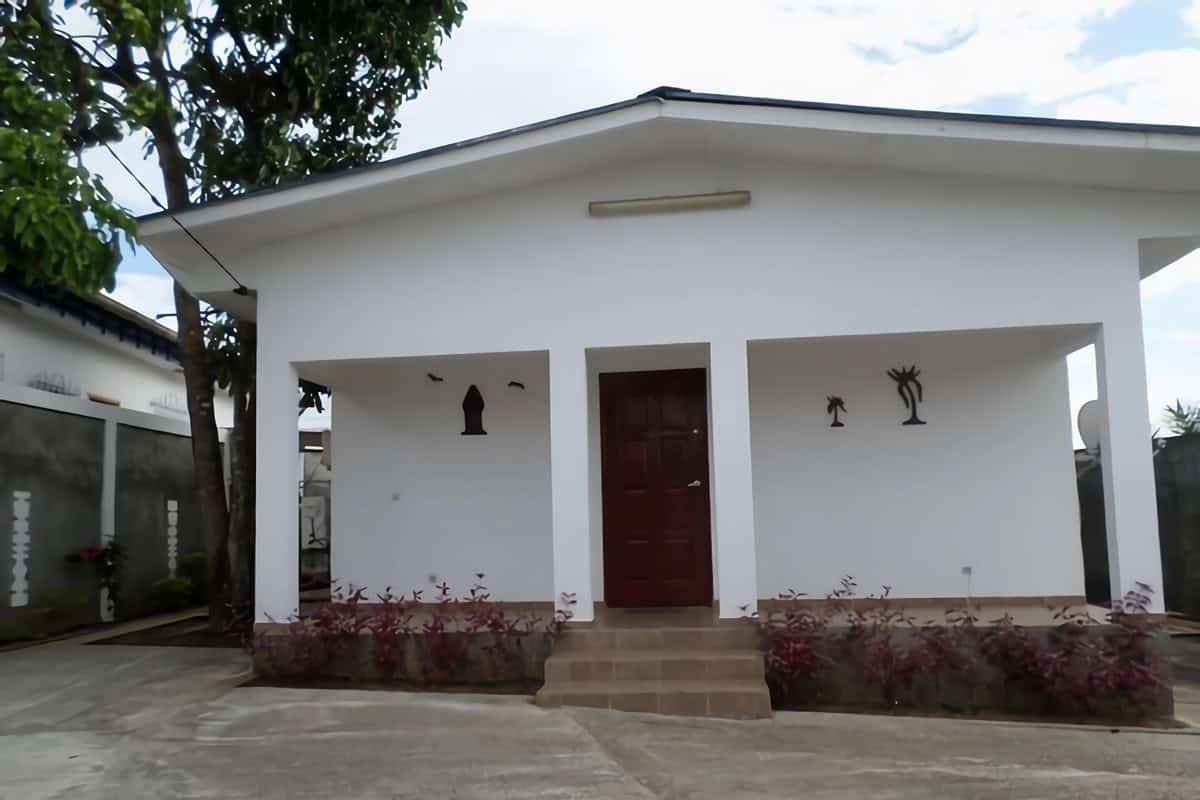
(694, 484)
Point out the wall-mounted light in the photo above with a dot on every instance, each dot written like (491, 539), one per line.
(664, 205)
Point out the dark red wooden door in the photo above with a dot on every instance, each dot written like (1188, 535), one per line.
(654, 455)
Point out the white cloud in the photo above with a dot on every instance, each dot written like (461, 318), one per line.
(149, 294)
(1191, 16)
(515, 62)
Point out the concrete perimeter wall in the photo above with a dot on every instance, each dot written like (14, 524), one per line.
(73, 475)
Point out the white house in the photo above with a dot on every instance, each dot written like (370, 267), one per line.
(641, 312)
(57, 347)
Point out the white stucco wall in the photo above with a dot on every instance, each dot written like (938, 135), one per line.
(820, 252)
(988, 482)
(33, 341)
(413, 498)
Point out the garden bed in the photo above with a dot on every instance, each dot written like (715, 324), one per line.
(842, 655)
(453, 641)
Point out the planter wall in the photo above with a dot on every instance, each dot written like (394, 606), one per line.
(984, 689)
(488, 660)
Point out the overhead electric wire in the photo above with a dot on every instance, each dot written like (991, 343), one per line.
(241, 289)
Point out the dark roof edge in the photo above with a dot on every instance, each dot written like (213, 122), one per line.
(676, 93)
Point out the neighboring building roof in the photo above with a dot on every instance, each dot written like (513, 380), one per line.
(99, 311)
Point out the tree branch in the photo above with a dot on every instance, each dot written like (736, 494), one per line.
(239, 37)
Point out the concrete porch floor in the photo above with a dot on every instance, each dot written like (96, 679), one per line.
(116, 722)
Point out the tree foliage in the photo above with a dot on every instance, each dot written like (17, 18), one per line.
(235, 96)
(59, 226)
(1182, 419)
(229, 96)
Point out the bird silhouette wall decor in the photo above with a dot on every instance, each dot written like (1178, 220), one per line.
(910, 390)
(834, 404)
(435, 378)
(516, 384)
(472, 406)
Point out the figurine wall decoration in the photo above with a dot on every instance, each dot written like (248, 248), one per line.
(472, 406)
(910, 390)
(835, 404)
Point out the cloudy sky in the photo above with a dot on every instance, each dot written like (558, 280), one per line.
(517, 61)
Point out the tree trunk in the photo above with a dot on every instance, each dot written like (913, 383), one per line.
(206, 448)
(241, 472)
(206, 451)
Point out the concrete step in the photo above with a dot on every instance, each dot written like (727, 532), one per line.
(731, 635)
(665, 665)
(726, 699)
(676, 616)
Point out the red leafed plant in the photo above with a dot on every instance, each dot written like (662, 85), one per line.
(449, 640)
(1077, 668)
(1130, 666)
(390, 627)
(796, 644)
(313, 643)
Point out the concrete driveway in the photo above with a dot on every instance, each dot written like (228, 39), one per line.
(119, 722)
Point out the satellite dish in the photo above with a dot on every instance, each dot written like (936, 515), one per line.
(1088, 422)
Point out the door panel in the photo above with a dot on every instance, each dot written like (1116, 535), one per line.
(654, 455)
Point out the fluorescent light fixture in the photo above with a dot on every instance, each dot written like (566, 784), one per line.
(663, 205)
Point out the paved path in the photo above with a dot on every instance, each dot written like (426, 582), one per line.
(81, 721)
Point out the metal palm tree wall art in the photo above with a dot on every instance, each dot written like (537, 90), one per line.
(835, 404)
(910, 390)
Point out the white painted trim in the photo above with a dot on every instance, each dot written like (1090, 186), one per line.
(732, 478)
(22, 510)
(277, 507)
(569, 482)
(108, 505)
(172, 537)
(1126, 453)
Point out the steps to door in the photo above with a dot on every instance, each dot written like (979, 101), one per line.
(665, 663)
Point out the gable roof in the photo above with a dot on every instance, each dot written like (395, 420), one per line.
(675, 93)
(666, 120)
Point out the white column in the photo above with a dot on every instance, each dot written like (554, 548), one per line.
(569, 479)
(277, 516)
(108, 505)
(1130, 504)
(733, 484)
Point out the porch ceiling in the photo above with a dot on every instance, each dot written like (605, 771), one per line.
(349, 371)
(978, 348)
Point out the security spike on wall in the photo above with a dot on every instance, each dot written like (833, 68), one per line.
(172, 537)
(19, 591)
